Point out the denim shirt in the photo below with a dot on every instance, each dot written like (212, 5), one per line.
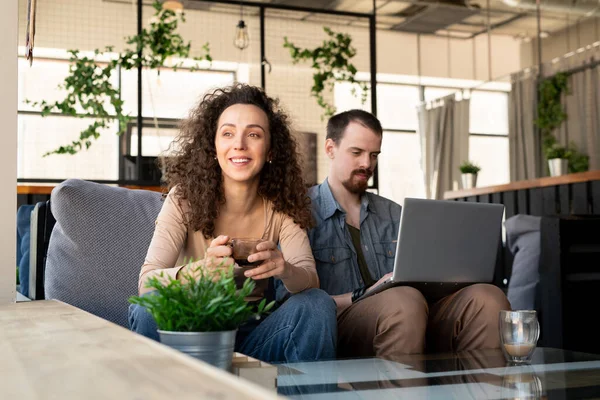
(332, 246)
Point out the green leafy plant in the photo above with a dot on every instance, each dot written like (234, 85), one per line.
(331, 63)
(208, 303)
(551, 115)
(557, 151)
(468, 167)
(89, 85)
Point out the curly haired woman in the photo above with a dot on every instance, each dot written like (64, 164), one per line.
(236, 174)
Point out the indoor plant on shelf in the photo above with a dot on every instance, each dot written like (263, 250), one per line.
(200, 315)
(469, 171)
(558, 159)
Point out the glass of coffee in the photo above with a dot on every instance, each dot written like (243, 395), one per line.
(242, 248)
(519, 333)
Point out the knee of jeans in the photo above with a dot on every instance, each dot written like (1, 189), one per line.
(138, 315)
(315, 302)
(487, 297)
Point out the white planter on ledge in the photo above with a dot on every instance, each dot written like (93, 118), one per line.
(558, 166)
(469, 181)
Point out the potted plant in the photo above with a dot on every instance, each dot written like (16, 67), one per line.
(469, 171)
(200, 314)
(331, 63)
(558, 159)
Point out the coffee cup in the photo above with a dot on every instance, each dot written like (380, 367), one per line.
(242, 248)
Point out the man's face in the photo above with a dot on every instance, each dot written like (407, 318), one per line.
(354, 157)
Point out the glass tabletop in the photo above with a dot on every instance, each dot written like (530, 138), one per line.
(481, 374)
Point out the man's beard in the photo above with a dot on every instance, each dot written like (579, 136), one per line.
(357, 187)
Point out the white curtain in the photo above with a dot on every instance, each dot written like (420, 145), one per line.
(523, 140)
(444, 135)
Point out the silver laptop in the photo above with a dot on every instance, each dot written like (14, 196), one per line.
(444, 246)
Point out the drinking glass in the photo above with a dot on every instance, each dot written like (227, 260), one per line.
(519, 333)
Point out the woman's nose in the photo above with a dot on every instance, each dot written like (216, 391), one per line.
(240, 142)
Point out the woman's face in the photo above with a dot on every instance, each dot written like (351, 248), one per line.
(242, 142)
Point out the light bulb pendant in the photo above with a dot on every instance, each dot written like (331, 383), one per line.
(241, 40)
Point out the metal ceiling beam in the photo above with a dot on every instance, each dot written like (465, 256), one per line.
(498, 25)
(289, 8)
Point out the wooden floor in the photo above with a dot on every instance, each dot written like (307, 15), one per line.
(49, 349)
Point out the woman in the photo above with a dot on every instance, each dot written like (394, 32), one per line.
(236, 174)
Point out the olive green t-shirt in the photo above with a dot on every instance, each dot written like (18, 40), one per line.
(362, 264)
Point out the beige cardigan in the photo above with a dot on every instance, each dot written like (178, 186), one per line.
(173, 244)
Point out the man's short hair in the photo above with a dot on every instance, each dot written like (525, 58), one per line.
(339, 122)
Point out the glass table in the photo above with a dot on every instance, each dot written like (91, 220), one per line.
(481, 374)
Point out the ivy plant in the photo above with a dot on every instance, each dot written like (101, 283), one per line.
(551, 115)
(209, 302)
(331, 63)
(89, 83)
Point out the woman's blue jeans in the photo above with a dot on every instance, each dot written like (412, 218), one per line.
(304, 328)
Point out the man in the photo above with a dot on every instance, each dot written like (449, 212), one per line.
(354, 244)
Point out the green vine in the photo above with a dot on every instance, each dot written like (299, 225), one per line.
(88, 83)
(331, 62)
(551, 115)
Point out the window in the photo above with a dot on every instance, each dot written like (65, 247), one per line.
(167, 98)
(170, 94)
(39, 135)
(489, 113)
(488, 142)
(491, 154)
(397, 106)
(400, 173)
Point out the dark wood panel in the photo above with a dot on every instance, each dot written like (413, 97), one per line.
(550, 203)
(510, 204)
(579, 201)
(536, 206)
(549, 292)
(497, 198)
(595, 193)
(522, 201)
(485, 198)
(564, 199)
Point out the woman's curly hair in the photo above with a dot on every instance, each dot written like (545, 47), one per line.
(196, 174)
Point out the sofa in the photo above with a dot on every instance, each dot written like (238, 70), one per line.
(98, 245)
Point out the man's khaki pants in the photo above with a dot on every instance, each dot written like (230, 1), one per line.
(400, 320)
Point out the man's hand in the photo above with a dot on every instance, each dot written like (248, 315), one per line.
(383, 279)
(272, 264)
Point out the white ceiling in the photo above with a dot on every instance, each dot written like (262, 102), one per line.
(439, 17)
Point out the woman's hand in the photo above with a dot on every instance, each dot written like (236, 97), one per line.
(217, 257)
(272, 264)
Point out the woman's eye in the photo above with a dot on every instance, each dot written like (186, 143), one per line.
(227, 133)
(254, 134)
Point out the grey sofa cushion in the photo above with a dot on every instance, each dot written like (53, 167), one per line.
(98, 245)
(523, 239)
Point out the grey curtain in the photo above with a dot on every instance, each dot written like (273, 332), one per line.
(583, 110)
(444, 136)
(523, 141)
